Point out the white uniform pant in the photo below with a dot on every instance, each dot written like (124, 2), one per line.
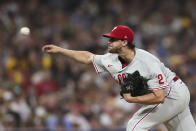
(173, 113)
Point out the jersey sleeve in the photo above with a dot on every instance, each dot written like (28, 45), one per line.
(97, 62)
(158, 79)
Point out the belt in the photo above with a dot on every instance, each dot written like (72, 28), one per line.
(175, 78)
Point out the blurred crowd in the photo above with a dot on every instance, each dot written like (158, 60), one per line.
(39, 91)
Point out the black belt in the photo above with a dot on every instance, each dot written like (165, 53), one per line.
(175, 78)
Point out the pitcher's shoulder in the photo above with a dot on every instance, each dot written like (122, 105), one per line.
(145, 55)
(143, 52)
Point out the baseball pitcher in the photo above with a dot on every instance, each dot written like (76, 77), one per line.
(143, 79)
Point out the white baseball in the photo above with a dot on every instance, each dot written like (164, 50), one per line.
(25, 31)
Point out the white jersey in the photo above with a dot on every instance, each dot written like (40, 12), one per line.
(147, 64)
(177, 96)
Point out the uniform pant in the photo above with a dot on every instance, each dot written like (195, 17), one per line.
(173, 113)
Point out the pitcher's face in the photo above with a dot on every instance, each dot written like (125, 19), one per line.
(114, 45)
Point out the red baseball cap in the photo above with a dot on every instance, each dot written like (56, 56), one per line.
(121, 32)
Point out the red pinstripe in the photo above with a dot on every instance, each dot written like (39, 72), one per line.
(95, 66)
(159, 87)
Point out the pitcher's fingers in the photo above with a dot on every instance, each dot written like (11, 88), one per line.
(45, 48)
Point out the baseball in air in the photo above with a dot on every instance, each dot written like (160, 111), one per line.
(25, 31)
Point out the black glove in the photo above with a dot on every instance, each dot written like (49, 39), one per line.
(135, 84)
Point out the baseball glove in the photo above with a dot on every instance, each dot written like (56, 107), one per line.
(135, 84)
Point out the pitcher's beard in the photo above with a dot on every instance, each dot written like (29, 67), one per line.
(114, 50)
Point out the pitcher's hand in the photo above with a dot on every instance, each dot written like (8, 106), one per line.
(51, 49)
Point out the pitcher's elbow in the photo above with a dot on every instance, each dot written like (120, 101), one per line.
(88, 62)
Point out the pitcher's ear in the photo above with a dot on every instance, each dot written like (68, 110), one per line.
(125, 43)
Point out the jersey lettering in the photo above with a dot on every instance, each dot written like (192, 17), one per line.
(121, 77)
(160, 77)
